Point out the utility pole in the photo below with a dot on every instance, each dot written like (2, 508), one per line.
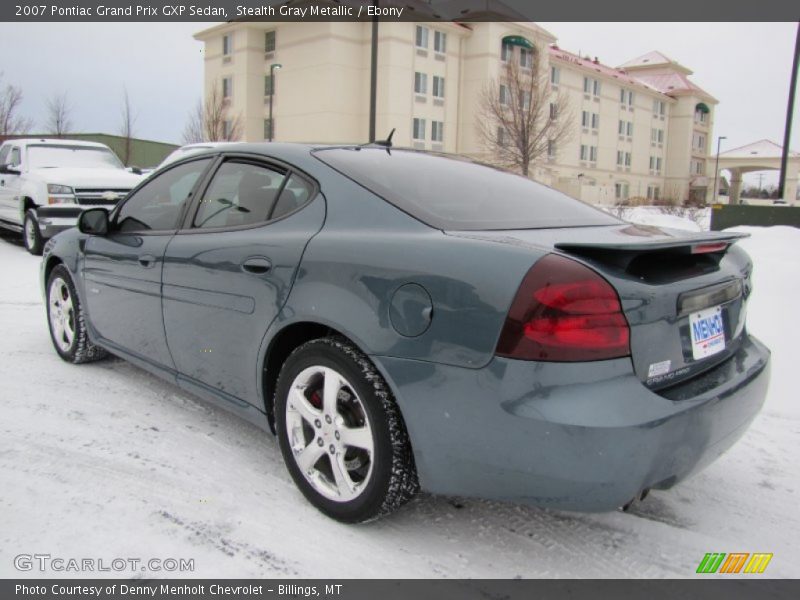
(789, 111)
(373, 76)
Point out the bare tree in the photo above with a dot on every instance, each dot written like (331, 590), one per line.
(211, 121)
(128, 120)
(59, 114)
(11, 121)
(520, 119)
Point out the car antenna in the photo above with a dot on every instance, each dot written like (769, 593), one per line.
(387, 143)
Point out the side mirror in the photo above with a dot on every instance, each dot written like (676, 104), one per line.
(93, 221)
(9, 169)
(135, 170)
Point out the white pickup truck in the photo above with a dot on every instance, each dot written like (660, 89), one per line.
(46, 183)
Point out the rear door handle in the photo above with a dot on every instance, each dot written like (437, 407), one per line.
(256, 266)
(147, 260)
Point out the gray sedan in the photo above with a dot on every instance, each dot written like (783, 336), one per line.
(405, 320)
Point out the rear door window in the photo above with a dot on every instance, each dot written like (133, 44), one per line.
(241, 193)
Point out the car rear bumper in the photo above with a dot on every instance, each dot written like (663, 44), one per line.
(586, 436)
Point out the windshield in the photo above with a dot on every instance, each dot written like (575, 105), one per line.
(451, 192)
(43, 156)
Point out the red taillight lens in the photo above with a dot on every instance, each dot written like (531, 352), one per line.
(564, 312)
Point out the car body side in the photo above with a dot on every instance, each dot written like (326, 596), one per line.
(588, 436)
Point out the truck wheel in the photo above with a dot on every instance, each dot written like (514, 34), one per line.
(67, 320)
(31, 234)
(341, 434)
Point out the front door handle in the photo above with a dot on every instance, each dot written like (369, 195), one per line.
(147, 260)
(256, 266)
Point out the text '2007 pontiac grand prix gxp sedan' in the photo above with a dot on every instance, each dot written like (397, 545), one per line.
(405, 320)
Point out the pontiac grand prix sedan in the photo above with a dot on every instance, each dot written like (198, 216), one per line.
(404, 320)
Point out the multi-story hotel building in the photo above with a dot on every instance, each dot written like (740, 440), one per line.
(641, 130)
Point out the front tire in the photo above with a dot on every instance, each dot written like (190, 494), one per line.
(67, 321)
(341, 434)
(31, 235)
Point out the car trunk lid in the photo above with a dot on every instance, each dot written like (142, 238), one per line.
(683, 293)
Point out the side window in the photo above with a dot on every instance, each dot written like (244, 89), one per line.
(16, 156)
(295, 194)
(157, 205)
(4, 151)
(241, 193)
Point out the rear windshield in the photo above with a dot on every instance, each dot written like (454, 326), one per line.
(451, 193)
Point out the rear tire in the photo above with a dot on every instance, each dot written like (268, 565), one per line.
(67, 321)
(341, 433)
(31, 236)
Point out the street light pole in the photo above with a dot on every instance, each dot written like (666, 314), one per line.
(716, 170)
(272, 68)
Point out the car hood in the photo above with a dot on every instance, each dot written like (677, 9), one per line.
(88, 178)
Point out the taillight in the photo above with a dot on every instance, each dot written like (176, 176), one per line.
(565, 312)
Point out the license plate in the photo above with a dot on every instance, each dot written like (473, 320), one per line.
(708, 332)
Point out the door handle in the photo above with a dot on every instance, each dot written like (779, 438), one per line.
(147, 260)
(256, 266)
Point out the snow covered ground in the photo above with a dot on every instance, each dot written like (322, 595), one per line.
(105, 461)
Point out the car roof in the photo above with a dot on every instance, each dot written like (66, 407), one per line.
(57, 142)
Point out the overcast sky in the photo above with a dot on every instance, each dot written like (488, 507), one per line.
(746, 66)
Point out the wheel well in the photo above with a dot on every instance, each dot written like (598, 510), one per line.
(279, 350)
(52, 263)
(27, 203)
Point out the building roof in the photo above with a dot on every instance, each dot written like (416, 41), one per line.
(759, 149)
(652, 59)
(674, 83)
(598, 67)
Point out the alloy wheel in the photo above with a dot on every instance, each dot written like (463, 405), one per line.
(329, 433)
(62, 314)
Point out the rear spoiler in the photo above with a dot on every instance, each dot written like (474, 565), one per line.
(690, 243)
(662, 259)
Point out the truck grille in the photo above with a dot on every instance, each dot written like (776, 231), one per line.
(101, 197)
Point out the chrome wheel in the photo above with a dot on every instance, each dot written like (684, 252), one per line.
(62, 314)
(30, 232)
(329, 433)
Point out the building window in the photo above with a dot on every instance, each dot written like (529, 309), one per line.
(595, 121)
(504, 95)
(621, 128)
(585, 119)
(501, 136)
(422, 36)
(439, 42)
(629, 129)
(655, 163)
(437, 131)
(226, 44)
(653, 192)
(698, 167)
(553, 111)
(269, 41)
(419, 129)
(590, 119)
(525, 100)
(584, 151)
(269, 85)
(420, 83)
(551, 149)
(506, 52)
(268, 132)
(589, 152)
(659, 108)
(627, 159)
(620, 158)
(625, 97)
(555, 75)
(700, 142)
(591, 86)
(525, 58)
(227, 87)
(438, 86)
(621, 190)
(657, 135)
